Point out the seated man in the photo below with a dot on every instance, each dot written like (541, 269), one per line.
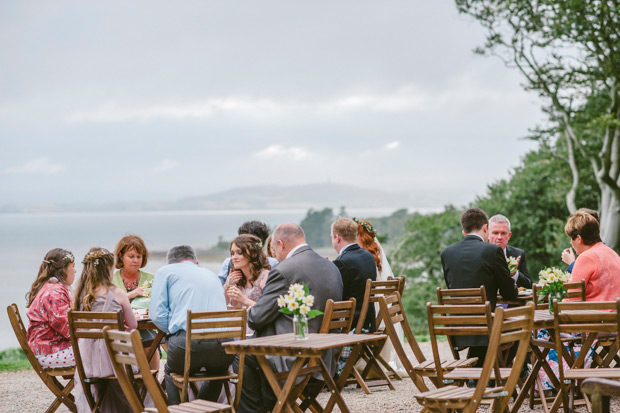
(256, 228)
(499, 234)
(356, 265)
(473, 262)
(298, 264)
(180, 286)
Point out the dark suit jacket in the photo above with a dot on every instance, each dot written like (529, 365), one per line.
(471, 263)
(524, 280)
(304, 266)
(357, 265)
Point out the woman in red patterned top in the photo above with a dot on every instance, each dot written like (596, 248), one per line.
(49, 301)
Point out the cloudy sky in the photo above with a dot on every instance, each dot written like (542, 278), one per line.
(151, 100)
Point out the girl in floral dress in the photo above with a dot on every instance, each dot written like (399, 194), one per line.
(48, 302)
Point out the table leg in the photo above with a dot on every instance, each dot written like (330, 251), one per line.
(156, 341)
(541, 362)
(346, 372)
(282, 392)
(333, 389)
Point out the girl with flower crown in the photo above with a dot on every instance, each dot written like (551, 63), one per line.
(96, 292)
(248, 276)
(48, 302)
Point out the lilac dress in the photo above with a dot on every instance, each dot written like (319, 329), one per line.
(96, 361)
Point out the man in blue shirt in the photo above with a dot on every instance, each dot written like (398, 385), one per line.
(180, 286)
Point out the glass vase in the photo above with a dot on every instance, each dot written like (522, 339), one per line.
(300, 326)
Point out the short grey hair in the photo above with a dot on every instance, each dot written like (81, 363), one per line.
(289, 233)
(181, 253)
(498, 219)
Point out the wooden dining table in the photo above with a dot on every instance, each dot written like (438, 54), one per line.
(307, 353)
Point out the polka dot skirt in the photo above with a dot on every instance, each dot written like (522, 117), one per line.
(62, 358)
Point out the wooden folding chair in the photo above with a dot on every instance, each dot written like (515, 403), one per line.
(589, 320)
(337, 318)
(401, 286)
(600, 391)
(371, 353)
(126, 351)
(48, 375)
(460, 296)
(88, 325)
(510, 325)
(392, 312)
(451, 321)
(207, 326)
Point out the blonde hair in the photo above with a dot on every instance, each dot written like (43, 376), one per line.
(97, 271)
(346, 228)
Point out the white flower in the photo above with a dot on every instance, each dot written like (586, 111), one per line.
(293, 305)
(281, 302)
(304, 309)
(309, 300)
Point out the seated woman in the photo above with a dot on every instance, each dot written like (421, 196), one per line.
(597, 264)
(96, 292)
(48, 302)
(131, 257)
(248, 276)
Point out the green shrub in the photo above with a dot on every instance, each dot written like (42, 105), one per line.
(13, 359)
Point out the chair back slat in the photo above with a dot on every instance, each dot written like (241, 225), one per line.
(593, 318)
(456, 320)
(392, 304)
(89, 325)
(504, 332)
(460, 296)
(125, 351)
(374, 290)
(338, 316)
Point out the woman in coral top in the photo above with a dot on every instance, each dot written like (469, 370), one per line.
(48, 302)
(596, 263)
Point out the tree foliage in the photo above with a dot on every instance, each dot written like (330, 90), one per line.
(317, 226)
(569, 53)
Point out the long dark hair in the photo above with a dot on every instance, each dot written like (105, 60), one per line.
(53, 265)
(251, 248)
(97, 271)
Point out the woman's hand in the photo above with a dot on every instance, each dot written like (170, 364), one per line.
(234, 277)
(235, 294)
(134, 293)
(568, 256)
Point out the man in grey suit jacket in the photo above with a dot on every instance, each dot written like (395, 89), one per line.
(298, 264)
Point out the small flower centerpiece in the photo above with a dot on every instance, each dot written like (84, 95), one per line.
(552, 279)
(299, 302)
(512, 264)
(148, 287)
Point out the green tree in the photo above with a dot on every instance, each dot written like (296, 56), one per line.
(317, 225)
(569, 53)
(417, 256)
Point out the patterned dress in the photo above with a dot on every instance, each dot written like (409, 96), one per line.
(48, 327)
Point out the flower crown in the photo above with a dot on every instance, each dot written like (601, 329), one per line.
(68, 258)
(94, 256)
(366, 226)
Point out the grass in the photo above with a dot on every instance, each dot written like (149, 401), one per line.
(13, 359)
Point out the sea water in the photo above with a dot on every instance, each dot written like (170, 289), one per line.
(25, 239)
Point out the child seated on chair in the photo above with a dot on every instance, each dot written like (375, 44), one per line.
(48, 302)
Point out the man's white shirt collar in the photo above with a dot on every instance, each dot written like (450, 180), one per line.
(345, 247)
(291, 252)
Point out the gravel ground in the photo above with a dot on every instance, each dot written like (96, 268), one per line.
(24, 392)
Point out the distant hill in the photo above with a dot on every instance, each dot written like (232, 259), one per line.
(259, 197)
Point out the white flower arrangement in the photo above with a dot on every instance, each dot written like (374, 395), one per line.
(298, 301)
(148, 287)
(552, 279)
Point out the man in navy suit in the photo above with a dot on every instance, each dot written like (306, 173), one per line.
(473, 262)
(356, 265)
(499, 234)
